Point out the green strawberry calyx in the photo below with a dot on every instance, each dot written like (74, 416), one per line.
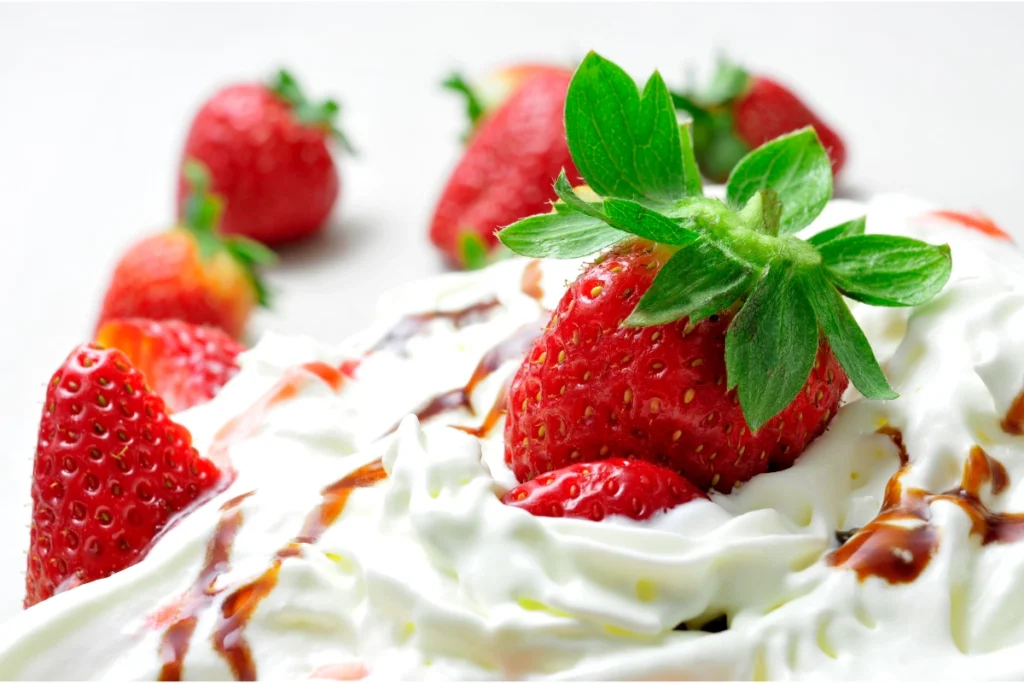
(475, 108)
(323, 115)
(717, 145)
(632, 152)
(202, 211)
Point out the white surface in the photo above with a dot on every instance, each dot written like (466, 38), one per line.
(96, 99)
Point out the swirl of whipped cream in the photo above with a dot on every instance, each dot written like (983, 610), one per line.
(364, 536)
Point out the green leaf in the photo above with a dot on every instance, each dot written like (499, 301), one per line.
(474, 107)
(472, 250)
(771, 344)
(559, 235)
(251, 251)
(763, 212)
(847, 229)
(323, 115)
(719, 148)
(727, 83)
(645, 222)
(691, 172)
(796, 167)
(573, 202)
(699, 280)
(887, 270)
(850, 346)
(624, 144)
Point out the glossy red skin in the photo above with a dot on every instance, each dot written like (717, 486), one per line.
(163, 277)
(595, 490)
(276, 175)
(769, 109)
(109, 473)
(509, 167)
(184, 364)
(626, 392)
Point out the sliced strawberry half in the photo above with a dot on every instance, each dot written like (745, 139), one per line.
(111, 472)
(595, 490)
(185, 364)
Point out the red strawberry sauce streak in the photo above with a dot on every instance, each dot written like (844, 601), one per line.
(238, 607)
(899, 543)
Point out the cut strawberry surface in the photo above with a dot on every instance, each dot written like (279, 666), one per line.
(111, 471)
(632, 488)
(707, 338)
(184, 364)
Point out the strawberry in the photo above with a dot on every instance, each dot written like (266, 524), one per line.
(655, 393)
(507, 169)
(189, 273)
(267, 149)
(740, 111)
(706, 337)
(615, 486)
(111, 471)
(184, 364)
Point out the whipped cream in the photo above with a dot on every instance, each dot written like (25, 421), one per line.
(357, 539)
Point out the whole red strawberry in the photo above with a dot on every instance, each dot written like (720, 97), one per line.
(596, 490)
(506, 172)
(184, 364)
(267, 150)
(111, 471)
(591, 388)
(189, 273)
(740, 111)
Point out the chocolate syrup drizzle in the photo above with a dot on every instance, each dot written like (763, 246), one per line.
(238, 607)
(178, 636)
(397, 338)
(1013, 423)
(899, 543)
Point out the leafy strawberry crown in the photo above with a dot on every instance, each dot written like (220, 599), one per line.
(631, 150)
(202, 211)
(322, 115)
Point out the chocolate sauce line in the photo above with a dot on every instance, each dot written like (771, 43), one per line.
(178, 636)
(1013, 423)
(889, 548)
(397, 338)
(237, 609)
(511, 348)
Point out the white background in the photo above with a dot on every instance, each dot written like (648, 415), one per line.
(95, 100)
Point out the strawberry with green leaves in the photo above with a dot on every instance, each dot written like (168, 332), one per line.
(706, 337)
(740, 111)
(267, 148)
(513, 154)
(192, 272)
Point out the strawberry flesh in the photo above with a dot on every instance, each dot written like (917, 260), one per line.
(184, 364)
(616, 486)
(592, 389)
(111, 471)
